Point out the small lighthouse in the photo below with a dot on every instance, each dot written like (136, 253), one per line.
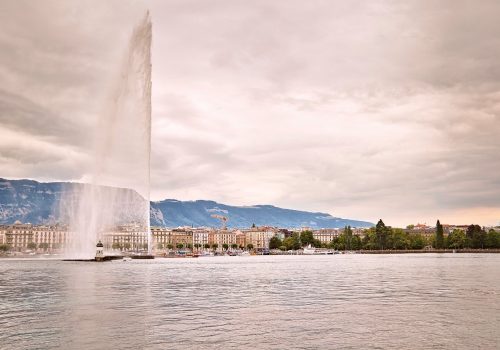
(99, 253)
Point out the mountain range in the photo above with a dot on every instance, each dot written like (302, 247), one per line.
(38, 203)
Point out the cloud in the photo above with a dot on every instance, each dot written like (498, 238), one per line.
(362, 110)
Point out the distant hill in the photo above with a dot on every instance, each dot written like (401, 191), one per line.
(172, 212)
(38, 203)
(29, 201)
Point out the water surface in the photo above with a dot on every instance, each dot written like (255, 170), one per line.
(419, 301)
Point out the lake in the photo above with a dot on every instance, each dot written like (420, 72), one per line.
(416, 301)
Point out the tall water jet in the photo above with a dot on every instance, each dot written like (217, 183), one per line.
(118, 194)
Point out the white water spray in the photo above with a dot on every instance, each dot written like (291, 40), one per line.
(119, 191)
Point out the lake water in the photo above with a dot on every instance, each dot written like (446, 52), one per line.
(419, 301)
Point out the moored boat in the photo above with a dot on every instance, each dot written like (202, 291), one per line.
(309, 250)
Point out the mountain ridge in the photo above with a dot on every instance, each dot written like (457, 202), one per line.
(36, 202)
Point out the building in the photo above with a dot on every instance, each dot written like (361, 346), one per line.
(327, 235)
(126, 237)
(21, 237)
(161, 237)
(241, 239)
(283, 233)
(3, 231)
(259, 237)
(200, 237)
(181, 236)
(167, 238)
(221, 237)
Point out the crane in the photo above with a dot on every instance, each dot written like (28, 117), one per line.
(222, 218)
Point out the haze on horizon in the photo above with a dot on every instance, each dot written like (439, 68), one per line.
(363, 110)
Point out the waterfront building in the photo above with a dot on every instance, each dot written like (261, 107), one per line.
(259, 237)
(21, 237)
(51, 237)
(221, 237)
(327, 235)
(283, 233)
(3, 231)
(18, 236)
(200, 237)
(241, 240)
(126, 237)
(427, 231)
(458, 227)
(163, 237)
(181, 235)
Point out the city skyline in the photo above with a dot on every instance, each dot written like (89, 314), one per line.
(363, 111)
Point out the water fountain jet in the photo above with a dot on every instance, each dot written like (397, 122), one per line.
(119, 190)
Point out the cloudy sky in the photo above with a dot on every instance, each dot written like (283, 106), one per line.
(363, 109)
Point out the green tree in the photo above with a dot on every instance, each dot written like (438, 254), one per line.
(206, 246)
(456, 239)
(347, 238)
(275, 243)
(356, 242)
(4, 247)
(339, 242)
(44, 246)
(234, 246)
(170, 246)
(179, 245)
(32, 245)
(189, 246)
(493, 239)
(439, 236)
(369, 241)
(476, 237)
(292, 243)
(399, 239)
(225, 246)
(381, 232)
(417, 241)
(306, 238)
(249, 246)
(215, 246)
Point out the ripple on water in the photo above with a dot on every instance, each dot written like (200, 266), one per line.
(304, 302)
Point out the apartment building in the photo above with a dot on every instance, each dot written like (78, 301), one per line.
(21, 237)
(221, 237)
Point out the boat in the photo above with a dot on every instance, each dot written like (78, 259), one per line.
(205, 253)
(309, 250)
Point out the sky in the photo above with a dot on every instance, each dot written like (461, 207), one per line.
(361, 109)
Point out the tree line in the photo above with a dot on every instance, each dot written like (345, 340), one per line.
(382, 237)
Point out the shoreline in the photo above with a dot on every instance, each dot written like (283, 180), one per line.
(376, 252)
(440, 251)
